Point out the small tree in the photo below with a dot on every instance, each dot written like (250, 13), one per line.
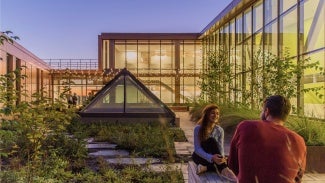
(216, 77)
(282, 75)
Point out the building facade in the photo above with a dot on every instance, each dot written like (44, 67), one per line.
(171, 64)
(291, 28)
(34, 70)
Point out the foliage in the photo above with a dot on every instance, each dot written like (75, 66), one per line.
(6, 37)
(177, 134)
(40, 141)
(216, 77)
(142, 139)
(281, 76)
(266, 75)
(312, 130)
(33, 133)
(135, 173)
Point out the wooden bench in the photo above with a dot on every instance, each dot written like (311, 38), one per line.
(207, 177)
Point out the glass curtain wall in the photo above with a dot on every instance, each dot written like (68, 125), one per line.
(169, 68)
(190, 67)
(292, 28)
(84, 85)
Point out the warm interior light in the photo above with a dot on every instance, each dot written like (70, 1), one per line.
(132, 55)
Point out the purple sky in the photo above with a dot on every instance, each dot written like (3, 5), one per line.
(68, 29)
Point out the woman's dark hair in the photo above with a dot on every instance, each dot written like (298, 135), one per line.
(204, 121)
(278, 106)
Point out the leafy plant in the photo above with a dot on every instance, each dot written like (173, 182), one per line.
(142, 139)
(6, 37)
(216, 77)
(33, 133)
(313, 131)
(282, 76)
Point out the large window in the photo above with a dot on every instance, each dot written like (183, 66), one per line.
(247, 24)
(257, 17)
(271, 10)
(312, 24)
(288, 33)
(314, 105)
(273, 27)
(286, 4)
(169, 68)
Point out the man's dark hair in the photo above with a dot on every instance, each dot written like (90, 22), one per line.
(278, 106)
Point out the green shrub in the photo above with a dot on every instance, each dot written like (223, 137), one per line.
(313, 131)
(142, 139)
(177, 134)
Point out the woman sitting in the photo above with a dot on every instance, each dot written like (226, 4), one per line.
(208, 144)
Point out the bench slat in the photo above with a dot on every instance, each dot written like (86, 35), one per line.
(207, 177)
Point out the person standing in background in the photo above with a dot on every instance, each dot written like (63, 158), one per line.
(74, 99)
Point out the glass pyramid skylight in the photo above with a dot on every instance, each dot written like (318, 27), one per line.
(126, 97)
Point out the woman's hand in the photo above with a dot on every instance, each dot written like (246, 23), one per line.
(218, 159)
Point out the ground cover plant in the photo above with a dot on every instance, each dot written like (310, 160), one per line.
(141, 139)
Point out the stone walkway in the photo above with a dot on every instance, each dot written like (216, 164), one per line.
(115, 156)
(187, 148)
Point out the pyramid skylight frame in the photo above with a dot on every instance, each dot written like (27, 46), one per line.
(125, 97)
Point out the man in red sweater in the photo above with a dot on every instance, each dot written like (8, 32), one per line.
(264, 151)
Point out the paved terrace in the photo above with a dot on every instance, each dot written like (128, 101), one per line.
(187, 148)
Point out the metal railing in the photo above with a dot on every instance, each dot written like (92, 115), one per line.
(72, 64)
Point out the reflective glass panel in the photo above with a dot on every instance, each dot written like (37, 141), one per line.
(247, 24)
(187, 58)
(155, 57)
(239, 29)
(288, 33)
(131, 56)
(314, 105)
(257, 16)
(271, 10)
(120, 56)
(167, 57)
(271, 38)
(138, 100)
(286, 4)
(167, 89)
(143, 57)
(312, 21)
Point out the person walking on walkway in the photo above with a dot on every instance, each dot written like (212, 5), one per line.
(264, 151)
(208, 144)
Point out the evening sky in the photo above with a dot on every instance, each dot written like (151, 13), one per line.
(69, 29)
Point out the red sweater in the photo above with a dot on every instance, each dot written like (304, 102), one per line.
(264, 152)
